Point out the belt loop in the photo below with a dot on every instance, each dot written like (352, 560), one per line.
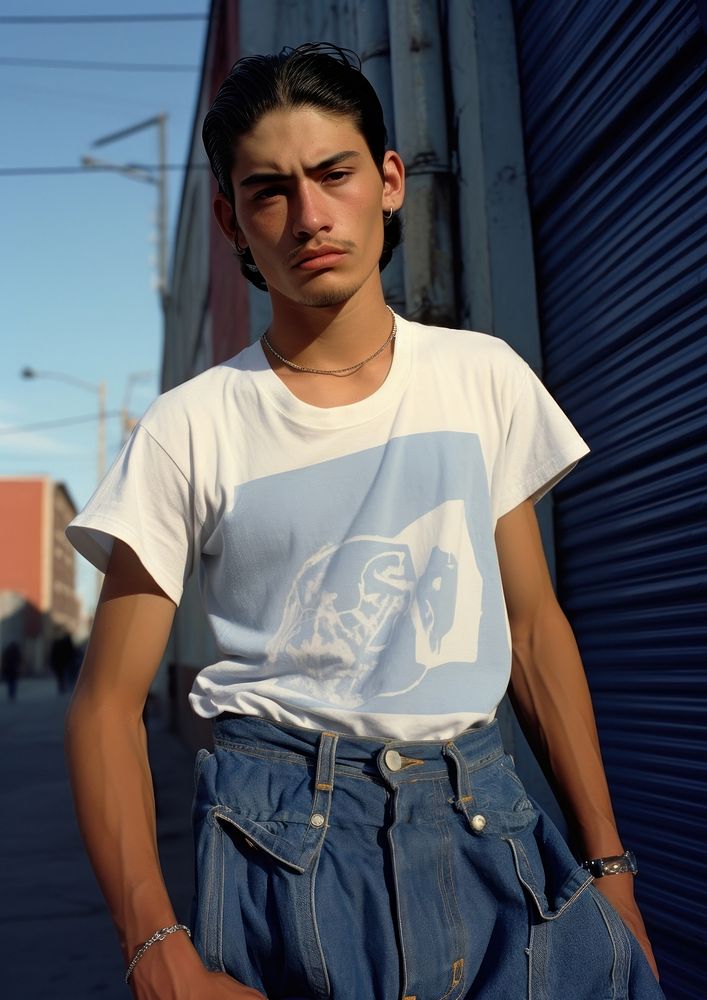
(463, 789)
(324, 779)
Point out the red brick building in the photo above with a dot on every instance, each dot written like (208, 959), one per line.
(38, 598)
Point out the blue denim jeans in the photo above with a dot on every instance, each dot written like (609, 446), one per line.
(356, 869)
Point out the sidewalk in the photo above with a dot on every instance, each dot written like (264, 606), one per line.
(56, 939)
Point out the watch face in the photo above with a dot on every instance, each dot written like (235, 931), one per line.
(616, 866)
(613, 866)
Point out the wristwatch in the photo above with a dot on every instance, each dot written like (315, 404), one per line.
(617, 864)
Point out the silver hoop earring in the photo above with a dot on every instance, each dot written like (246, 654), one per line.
(388, 217)
(241, 252)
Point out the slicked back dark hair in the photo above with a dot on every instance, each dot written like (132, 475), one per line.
(320, 76)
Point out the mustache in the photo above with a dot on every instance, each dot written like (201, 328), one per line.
(343, 245)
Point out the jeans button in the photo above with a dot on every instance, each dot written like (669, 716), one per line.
(393, 760)
(317, 820)
(478, 822)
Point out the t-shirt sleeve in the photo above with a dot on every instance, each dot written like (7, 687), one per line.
(541, 446)
(146, 501)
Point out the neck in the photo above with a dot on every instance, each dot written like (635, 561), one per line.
(330, 337)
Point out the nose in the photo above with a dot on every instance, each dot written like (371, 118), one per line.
(309, 213)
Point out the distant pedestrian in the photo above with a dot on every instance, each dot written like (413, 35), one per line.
(61, 659)
(11, 667)
(79, 653)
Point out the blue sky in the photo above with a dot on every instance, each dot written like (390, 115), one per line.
(77, 255)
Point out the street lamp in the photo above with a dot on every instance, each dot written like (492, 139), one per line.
(98, 388)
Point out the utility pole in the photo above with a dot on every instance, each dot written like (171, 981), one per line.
(127, 422)
(136, 173)
(162, 209)
(101, 430)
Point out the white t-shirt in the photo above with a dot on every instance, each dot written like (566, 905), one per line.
(346, 555)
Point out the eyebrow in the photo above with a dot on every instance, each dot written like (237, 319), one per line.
(269, 178)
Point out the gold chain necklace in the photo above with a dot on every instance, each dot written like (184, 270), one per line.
(340, 372)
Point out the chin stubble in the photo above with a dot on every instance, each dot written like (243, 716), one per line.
(330, 297)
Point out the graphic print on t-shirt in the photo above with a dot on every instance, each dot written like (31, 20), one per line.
(353, 603)
(378, 574)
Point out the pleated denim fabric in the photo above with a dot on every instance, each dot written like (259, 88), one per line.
(330, 866)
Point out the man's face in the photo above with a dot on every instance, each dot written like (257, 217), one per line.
(309, 203)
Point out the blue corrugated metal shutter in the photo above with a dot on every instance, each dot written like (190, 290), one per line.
(615, 120)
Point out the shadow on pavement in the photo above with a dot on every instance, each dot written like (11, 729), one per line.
(56, 938)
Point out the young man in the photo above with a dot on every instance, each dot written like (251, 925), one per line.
(358, 493)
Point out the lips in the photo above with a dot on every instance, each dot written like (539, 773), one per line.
(318, 257)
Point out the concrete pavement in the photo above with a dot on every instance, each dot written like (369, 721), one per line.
(56, 939)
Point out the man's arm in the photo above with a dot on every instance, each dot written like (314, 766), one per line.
(550, 695)
(107, 752)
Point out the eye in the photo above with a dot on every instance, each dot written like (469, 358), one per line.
(267, 193)
(336, 175)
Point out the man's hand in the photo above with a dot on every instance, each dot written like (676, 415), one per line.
(203, 985)
(219, 986)
(618, 889)
(172, 970)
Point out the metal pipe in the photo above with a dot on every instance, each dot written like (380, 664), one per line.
(417, 70)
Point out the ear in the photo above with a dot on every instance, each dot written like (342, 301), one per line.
(226, 219)
(393, 181)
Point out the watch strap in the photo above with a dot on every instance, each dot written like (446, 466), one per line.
(616, 864)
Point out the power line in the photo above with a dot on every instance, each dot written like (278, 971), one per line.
(66, 422)
(125, 67)
(98, 168)
(96, 18)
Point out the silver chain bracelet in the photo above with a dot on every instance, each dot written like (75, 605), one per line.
(159, 935)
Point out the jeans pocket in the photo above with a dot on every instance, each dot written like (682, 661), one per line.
(291, 841)
(578, 945)
(269, 937)
(258, 846)
(546, 868)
